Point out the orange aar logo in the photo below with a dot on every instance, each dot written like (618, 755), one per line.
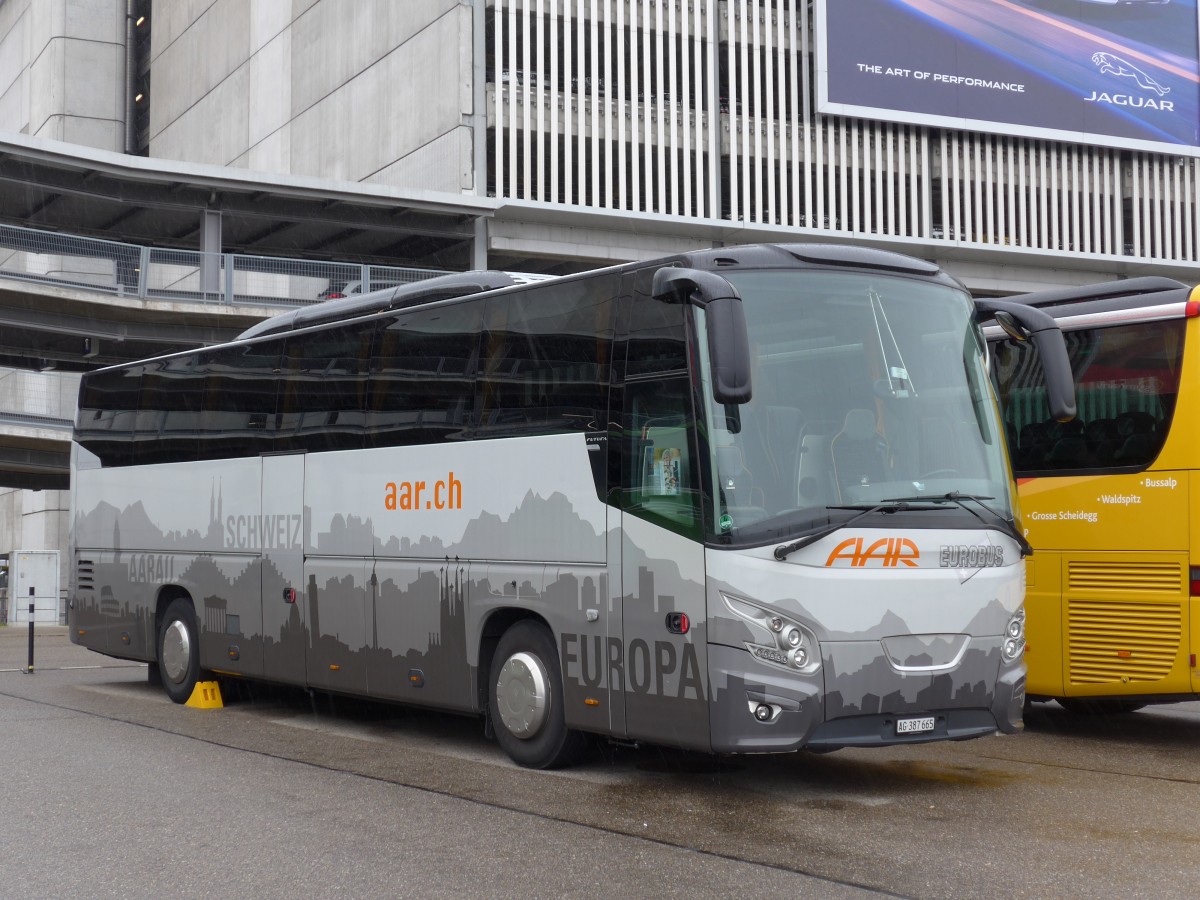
(410, 495)
(887, 552)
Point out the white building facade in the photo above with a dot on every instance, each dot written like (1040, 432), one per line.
(606, 129)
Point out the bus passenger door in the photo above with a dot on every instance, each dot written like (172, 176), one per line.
(281, 538)
(664, 648)
(660, 660)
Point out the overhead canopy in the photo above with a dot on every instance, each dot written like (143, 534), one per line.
(82, 191)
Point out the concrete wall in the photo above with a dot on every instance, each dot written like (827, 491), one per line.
(37, 520)
(356, 90)
(52, 394)
(62, 70)
(62, 76)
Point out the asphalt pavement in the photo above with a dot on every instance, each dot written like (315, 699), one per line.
(51, 647)
(108, 789)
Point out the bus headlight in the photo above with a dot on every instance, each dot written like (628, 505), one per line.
(784, 642)
(1014, 636)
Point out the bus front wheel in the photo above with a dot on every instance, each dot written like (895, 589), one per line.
(525, 700)
(179, 651)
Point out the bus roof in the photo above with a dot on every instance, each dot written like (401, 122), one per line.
(1106, 296)
(443, 287)
(463, 284)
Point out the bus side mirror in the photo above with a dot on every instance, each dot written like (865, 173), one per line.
(728, 343)
(1010, 326)
(1022, 323)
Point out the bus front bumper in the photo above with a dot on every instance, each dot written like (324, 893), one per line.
(795, 711)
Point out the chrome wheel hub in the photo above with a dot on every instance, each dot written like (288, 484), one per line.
(521, 693)
(176, 652)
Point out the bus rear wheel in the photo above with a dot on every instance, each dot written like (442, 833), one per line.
(179, 651)
(525, 700)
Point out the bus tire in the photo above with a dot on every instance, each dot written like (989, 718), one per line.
(525, 700)
(179, 651)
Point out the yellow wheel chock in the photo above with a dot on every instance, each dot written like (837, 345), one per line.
(206, 695)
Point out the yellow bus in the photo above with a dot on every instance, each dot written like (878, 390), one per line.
(1111, 500)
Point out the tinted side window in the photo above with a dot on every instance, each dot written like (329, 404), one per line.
(661, 466)
(238, 413)
(323, 390)
(422, 378)
(658, 449)
(546, 357)
(657, 336)
(167, 428)
(108, 402)
(1126, 382)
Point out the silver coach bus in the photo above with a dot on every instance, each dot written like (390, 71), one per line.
(741, 500)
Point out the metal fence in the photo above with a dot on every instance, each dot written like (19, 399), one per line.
(133, 270)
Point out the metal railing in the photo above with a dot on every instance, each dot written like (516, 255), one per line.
(134, 270)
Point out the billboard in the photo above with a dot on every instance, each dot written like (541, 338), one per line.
(1124, 74)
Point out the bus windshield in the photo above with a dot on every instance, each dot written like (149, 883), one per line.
(866, 388)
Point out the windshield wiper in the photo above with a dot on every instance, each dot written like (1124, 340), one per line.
(887, 507)
(1009, 526)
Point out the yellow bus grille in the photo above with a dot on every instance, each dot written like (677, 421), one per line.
(1153, 577)
(1122, 642)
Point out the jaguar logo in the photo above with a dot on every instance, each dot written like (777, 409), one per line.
(1109, 64)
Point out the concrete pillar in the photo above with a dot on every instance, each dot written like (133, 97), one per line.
(210, 261)
(479, 246)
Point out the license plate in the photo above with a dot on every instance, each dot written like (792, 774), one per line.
(915, 726)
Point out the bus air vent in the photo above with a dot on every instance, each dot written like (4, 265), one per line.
(85, 575)
(1122, 641)
(1142, 577)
